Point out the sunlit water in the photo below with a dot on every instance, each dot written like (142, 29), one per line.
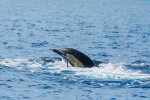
(115, 34)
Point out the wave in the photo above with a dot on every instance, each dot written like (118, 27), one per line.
(109, 74)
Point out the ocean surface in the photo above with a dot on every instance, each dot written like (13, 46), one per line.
(115, 34)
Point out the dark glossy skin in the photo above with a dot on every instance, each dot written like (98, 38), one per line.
(82, 58)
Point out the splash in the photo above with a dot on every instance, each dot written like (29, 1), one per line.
(113, 71)
(107, 71)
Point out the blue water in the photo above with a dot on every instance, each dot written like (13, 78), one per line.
(115, 34)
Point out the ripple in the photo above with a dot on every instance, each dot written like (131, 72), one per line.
(39, 44)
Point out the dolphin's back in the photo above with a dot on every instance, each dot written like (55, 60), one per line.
(77, 58)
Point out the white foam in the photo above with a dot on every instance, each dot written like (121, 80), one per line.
(112, 71)
(20, 64)
(12, 62)
(107, 71)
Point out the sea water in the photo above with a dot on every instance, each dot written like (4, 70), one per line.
(115, 34)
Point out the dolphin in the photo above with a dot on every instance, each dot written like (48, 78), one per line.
(75, 57)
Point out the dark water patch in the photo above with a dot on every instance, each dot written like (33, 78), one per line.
(38, 21)
(87, 90)
(20, 48)
(7, 68)
(47, 30)
(94, 83)
(10, 47)
(139, 62)
(113, 37)
(56, 30)
(31, 86)
(134, 95)
(5, 98)
(21, 80)
(87, 82)
(19, 34)
(5, 43)
(31, 25)
(46, 86)
(82, 23)
(31, 35)
(90, 27)
(43, 59)
(39, 44)
(139, 65)
(145, 84)
(9, 80)
(30, 75)
(67, 72)
(13, 47)
(115, 32)
(9, 86)
(143, 97)
(104, 55)
(3, 84)
(50, 59)
(12, 29)
(27, 98)
(58, 91)
(113, 99)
